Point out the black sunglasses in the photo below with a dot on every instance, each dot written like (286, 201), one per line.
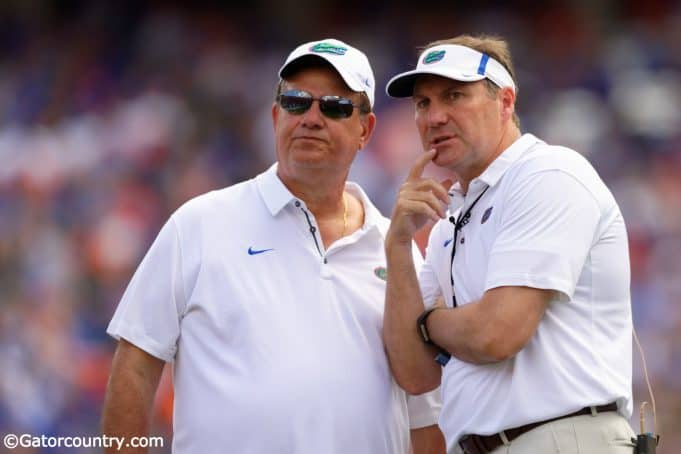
(297, 102)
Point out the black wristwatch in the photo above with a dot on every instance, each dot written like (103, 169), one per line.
(442, 356)
(421, 325)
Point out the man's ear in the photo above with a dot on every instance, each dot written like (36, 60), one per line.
(275, 114)
(507, 96)
(368, 123)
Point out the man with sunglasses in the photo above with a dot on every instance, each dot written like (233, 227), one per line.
(529, 253)
(268, 295)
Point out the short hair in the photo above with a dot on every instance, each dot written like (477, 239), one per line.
(494, 46)
(364, 103)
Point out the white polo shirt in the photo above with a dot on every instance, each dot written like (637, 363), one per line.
(546, 221)
(276, 342)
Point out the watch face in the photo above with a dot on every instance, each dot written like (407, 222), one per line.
(421, 323)
(424, 332)
(442, 356)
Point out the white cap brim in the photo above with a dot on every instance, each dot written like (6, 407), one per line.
(451, 61)
(402, 85)
(351, 64)
(297, 62)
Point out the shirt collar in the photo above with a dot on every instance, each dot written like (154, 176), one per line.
(276, 196)
(272, 190)
(493, 173)
(372, 217)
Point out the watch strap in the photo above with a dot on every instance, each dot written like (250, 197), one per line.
(442, 356)
(422, 327)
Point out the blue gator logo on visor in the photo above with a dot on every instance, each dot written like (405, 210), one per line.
(326, 48)
(433, 56)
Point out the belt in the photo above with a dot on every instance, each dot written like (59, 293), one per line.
(483, 444)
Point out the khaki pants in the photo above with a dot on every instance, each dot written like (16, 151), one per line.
(605, 433)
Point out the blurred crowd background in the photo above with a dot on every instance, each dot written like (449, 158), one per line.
(112, 114)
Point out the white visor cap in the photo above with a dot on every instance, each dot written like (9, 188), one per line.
(453, 62)
(350, 63)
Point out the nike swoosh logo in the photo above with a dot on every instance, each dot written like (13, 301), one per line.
(447, 242)
(252, 251)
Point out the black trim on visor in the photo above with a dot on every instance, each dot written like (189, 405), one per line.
(403, 86)
(303, 62)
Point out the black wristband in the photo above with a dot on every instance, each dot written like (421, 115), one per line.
(421, 325)
(442, 356)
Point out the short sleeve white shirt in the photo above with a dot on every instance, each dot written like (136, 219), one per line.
(276, 341)
(545, 220)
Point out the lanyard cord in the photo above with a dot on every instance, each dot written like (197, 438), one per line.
(460, 222)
